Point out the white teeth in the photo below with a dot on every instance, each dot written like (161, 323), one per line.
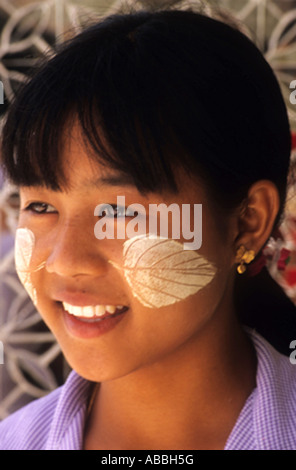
(90, 311)
(110, 308)
(100, 310)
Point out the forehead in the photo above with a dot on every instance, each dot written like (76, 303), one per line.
(82, 168)
(83, 172)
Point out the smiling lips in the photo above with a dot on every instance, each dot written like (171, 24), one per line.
(93, 311)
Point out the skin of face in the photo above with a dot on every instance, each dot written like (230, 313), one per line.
(78, 264)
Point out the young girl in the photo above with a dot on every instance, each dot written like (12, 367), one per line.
(181, 112)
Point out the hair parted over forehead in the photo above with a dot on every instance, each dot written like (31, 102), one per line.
(153, 92)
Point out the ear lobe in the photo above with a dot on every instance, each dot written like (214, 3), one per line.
(257, 215)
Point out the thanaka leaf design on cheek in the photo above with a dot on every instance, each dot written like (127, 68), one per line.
(24, 245)
(161, 272)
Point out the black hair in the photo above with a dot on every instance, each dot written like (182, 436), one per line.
(155, 85)
(154, 92)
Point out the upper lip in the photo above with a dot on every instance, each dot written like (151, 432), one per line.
(81, 299)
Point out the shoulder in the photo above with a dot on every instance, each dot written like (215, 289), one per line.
(274, 410)
(28, 427)
(268, 418)
(53, 422)
(281, 369)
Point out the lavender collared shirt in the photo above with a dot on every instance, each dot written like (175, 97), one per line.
(267, 420)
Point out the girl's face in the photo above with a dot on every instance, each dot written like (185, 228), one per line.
(119, 305)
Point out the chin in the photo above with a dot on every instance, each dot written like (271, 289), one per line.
(94, 366)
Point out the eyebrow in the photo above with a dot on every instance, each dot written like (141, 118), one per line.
(119, 179)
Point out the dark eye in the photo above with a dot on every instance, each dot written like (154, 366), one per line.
(112, 210)
(40, 208)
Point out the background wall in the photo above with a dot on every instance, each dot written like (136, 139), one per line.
(33, 364)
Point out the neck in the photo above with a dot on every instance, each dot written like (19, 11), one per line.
(189, 401)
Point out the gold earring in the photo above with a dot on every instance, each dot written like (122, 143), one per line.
(243, 257)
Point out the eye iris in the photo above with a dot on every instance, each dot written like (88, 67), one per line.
(40, 207)
(113, 211)
(117, 211)
(120, 211)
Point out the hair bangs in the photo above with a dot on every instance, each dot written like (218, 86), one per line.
(118, 130)
(144, 89)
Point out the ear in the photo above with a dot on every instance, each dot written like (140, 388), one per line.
(257, 216)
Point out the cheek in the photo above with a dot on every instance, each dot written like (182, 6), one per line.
(160, 272)
(24, 246)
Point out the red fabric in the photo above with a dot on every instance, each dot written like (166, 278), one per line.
(256, 266)
(284, 259)
(290, 276)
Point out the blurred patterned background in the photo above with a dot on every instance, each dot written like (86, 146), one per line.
(33, 364)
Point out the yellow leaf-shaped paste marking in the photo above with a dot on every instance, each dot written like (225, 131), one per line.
(24, 245)
(160, 272)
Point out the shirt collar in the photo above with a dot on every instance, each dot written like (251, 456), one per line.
(265, 422)
(67, 427)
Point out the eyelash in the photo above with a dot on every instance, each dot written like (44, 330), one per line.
(116, 216)
(33, 205)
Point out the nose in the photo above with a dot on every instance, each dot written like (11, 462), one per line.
(73, 251)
